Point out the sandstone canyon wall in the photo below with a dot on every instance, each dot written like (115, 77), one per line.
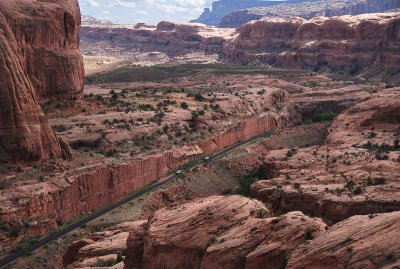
(66, 197)
(169, 38)
(308, 10)
(47, 34)
(223, 7)
(338, 43)
(40, 57)
(353, 159)
(228, 233)
(218, 232)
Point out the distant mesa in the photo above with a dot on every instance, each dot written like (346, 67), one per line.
(89, 20)
(228, 14)
(223, 7)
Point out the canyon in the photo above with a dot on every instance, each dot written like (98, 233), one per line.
(275, 144)
(344, 176)
(166, 42)
(229, 14)
(221, 8)
(37, 207)
(351, 44)
(236, 232)
(308, 10)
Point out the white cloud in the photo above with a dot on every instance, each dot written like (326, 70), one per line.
(152, 11)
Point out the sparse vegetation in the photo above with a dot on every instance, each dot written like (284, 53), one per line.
(254, 229)
(297, 186)
(120, 258)
(213, 239)
(184, 105)
(199, 97)
(309, 235)
(60, 128)
(322, 117)
(376, 182)
(244, 186)
(291, 153)
(391, 257)
(262, 213)
(106, 263)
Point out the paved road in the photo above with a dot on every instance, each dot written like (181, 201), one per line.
(56, 235)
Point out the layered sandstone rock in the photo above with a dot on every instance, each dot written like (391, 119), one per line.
(66, 197)
(308, 9)
(348, 43)
(359, 242)
(24, 131)
(174, 195)
(39, 58)
(222, 7)
(100, 246)
(47, 34)
(218, 232)
(353, 173)
(169, 38)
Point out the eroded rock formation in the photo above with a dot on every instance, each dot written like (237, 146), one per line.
(218, 232)
(353, 173)
(169, 38)
(339, 43)
(359, 242)
(51, 201)
(223, 7)
(39, 58)
(308, 10)
(47, 35)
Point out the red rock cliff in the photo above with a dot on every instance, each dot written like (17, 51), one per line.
(67, 197)
(169, 38)
(218, 232)
(39, 57)
(345, 42)
(47, 34)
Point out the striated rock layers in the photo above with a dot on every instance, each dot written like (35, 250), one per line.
(218, 232)
(47, 36)
(221, 8)
(368, 242)
(355, 172)
(66, 197)
(39, 57)
(236, 232)
(308, 9)
(339, 43)
(169, 38)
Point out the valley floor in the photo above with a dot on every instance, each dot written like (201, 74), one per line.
(129, 132)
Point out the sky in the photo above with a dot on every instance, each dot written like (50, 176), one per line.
(148, 11)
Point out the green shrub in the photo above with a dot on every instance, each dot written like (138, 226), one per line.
(106, 263)
(262, 213)
(199, 97)
(376, 182)
(184, 105)
(297, 186)
(322, 117)
(309, 235)
(244, 186)
(291, 153)
(253, 229)
(213, 239)
(60, 128)
(120, 258)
